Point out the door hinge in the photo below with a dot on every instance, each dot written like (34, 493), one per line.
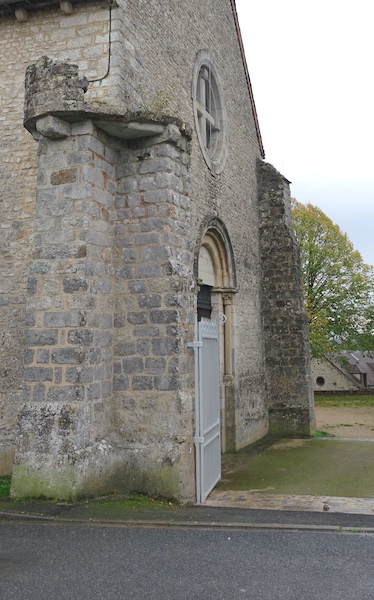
(194, 344)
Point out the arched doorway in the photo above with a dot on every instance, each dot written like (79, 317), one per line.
(216, 270)
(216, 281)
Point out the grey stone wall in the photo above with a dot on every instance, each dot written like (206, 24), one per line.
(290, 390)
(69, 310)
(154, 313)
(101, 233)
(112, 255)
(81, 37)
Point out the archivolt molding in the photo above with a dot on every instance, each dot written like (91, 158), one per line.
(215, 239)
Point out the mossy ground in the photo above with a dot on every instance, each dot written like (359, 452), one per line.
(304, 467)
(116, 507)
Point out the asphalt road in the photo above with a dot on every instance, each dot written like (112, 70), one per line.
(75, 562)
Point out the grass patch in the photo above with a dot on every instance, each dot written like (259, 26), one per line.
(5, 486)
(322, 434)
(117, 506)
(131, 500)
(345, 400)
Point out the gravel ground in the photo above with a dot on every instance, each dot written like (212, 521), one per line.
(348, 422)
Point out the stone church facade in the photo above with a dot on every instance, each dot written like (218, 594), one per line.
(134, 195)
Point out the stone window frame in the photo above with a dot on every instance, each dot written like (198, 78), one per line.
(210, 112)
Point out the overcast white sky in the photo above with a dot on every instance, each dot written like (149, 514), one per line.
(312, 71)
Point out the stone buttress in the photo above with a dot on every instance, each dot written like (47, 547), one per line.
(111, 300)
(290, 393)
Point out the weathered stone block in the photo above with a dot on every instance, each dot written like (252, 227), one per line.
(32, 283)
(155, 365)
(80, 336)
(166, 383)
(58, 375)
(79, 375)
(42, 356)
(75, 250)
(125, 348)
(119, 321)
(165, 316)
(150, 269)
(99, 373)
(65, 393)
(155, 165)
(165, 346)
(106, 389)
(103, 338)
(132, 365)
(137, 287)
(146, 331)
(181, 364)
(38, 374)
(137, 318)
(41, 267)
(62, 319)
(158, 196)
(150, 301)
(102, 286)
(74, 284)
(154, 224)
(30, 319)
(147, 238)
(142, 382)
(120, 382)
(124, 240)
(64, 176)
(129, 255)
(155, 253)
(41, 337)
(125, 272)
(67, 356)
(117, 368)
(93, 391)
(38, 393)
(177, 300)
(143, 347)
(29, 357)
(53, 127)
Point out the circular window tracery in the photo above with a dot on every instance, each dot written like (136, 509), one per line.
(209, 113)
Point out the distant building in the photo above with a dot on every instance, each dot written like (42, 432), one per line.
(349, 371)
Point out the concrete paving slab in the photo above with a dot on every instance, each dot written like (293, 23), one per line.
(334, 504)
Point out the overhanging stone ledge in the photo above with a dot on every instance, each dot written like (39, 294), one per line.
(127, 127)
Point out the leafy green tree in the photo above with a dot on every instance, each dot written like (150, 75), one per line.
(338, 286)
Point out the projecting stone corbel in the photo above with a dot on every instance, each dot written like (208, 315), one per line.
(21, 15)
(53, 127)
(66, 7)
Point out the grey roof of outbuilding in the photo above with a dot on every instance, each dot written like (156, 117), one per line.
(358, 362)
